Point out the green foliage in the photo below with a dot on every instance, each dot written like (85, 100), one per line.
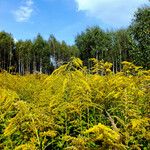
(72, 109)
(6, 50)
(140, 31)
(92, 43)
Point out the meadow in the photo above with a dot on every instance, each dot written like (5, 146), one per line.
(75, 108)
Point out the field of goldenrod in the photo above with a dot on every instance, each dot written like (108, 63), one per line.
(76, 109)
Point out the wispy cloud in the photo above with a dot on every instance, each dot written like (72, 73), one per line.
(24, 12)
(117, 13)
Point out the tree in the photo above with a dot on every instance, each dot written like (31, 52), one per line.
(140, 31)
(121, 47)
(91, 43)
(61, 52)
(54, 46)
(67, 52)
(74, 51)
(24, 56)
(6, 50)
(40, 52)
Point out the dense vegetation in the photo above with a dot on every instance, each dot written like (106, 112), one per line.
(76, 109)
(97, 101)
(131, 44)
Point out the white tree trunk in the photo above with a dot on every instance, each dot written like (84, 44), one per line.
(41, 65)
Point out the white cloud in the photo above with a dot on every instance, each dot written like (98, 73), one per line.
(24, 12)
(29, 3)
(117, 13)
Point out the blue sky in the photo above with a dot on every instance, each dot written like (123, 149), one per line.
(64, 18)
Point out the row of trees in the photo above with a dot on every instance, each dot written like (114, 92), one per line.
(131, 44)
(38, 55)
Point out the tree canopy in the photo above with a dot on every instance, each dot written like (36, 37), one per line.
(140, 31)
